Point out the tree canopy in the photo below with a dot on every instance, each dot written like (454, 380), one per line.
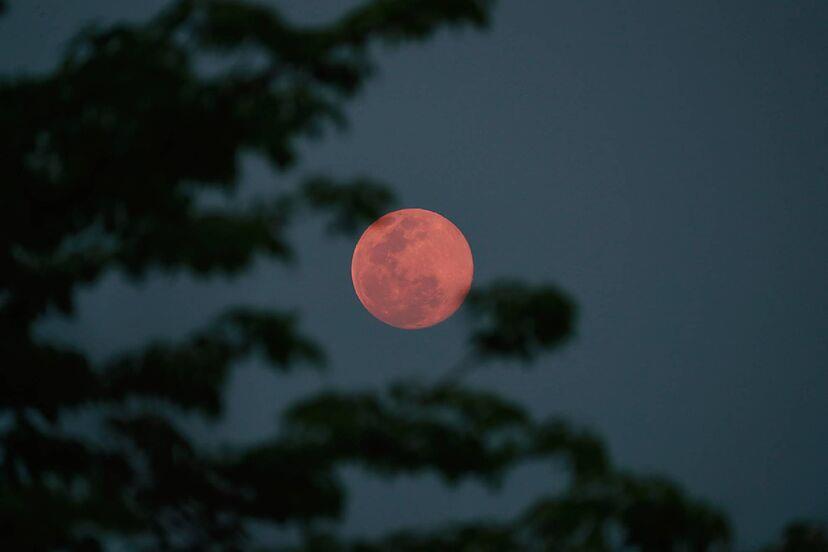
(104, 162)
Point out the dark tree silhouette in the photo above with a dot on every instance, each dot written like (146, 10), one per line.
(802, 536)
(104, 161)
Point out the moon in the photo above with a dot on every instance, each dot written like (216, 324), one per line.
(412, 268)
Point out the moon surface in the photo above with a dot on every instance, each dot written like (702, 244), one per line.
(412, 268)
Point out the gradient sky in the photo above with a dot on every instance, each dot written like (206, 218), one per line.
(664, 162)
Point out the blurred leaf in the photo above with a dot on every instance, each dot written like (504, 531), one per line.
(42, 453)
(273, 333)
(571, 523)
(476, 409)
(43, 377)
(206, 242)
(586, 454)
(802, 536)
(393, 434)
(655, 515)
(181, 490)
(594, 518)
(454, 431)
(39, 518)
(395, 20)
(354, 204)
(467, 537)
(192, 374)
(41, 505)
(514, 320)
(281, 482)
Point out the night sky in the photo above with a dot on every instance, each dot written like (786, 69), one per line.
(666, 163)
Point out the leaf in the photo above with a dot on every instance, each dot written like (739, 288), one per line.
(192, 374)
(44, 377)
(802, 536)
(206, 242)
(396, 20)
(39, 518)
(353, 204)
(453, 431)
(280, 482)
(515, 320)
(273, 333)
(655, 515)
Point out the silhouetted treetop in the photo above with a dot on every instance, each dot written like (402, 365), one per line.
(515, 320)
(802, 536)
(106, 164)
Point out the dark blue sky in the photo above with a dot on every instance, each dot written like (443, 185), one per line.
(664, 162)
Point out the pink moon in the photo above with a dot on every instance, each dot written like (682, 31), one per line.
(412, 268)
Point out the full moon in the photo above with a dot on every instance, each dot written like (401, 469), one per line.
(412, 268)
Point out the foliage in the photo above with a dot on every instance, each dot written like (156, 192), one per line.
(104, 163)
(802, 536)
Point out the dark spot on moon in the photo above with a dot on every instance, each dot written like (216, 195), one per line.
(393, 243)
(410, 223)
(423, 295)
